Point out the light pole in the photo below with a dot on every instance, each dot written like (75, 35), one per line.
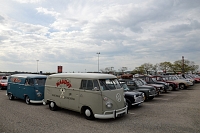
(98, 60)
(37, 65)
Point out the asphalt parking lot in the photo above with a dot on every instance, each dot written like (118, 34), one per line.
(173, 112)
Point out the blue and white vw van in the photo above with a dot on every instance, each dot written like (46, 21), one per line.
(29, 87)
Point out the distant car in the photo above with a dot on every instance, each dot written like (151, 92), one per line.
(159, 87)
(134, 84)
(196, 78)
(133, 97)
(192, 82)
(183, 84)
(152, 80)
(3, 83)
(173, 85)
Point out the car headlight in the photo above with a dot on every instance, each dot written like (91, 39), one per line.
(109, 105)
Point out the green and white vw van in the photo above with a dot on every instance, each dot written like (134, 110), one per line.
(94, 95)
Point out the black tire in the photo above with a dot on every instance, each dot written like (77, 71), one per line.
(128, 104)
(52, 106)
(145, 97)
(151, 98)
(158, 94)
(27, 100)
(88, 114)
(0, 88)
(182, 86)
(171, 88)
(10, 96)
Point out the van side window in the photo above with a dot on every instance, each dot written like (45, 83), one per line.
(89, 85)
(31, 82)
(83, 84)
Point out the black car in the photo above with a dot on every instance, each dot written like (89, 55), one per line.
(159, 87)
(132, 97)
(134, 84)
(152, 80)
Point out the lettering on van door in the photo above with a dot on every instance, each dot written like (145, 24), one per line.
(62, 84)
(15, 80)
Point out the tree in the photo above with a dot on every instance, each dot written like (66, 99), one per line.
(186, 66)
(165, 66)
(122, 69)
(155, 68)
(147, 67)
(138, 70)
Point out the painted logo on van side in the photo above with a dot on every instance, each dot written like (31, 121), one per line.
(15, 80)
(64, 82)
(118, 97)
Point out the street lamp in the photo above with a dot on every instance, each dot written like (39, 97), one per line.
(98, 60)
(37, 65)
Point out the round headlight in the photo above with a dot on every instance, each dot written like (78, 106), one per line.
(109, 105)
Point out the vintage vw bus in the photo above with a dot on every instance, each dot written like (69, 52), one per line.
(94, 95)
(29, 87)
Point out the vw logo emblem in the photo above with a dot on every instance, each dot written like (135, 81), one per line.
(118, 97)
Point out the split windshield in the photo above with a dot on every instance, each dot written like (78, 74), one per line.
(109, 84)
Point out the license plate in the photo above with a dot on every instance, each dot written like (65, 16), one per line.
(119, 115)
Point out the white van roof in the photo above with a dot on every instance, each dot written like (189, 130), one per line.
(84, 75)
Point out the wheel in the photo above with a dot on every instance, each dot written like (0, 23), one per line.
(52, 106)
(10, 96)
(88, 114)
(128, 104)
(145, 97)
(151, 98)
(0, 88)
(170, 88)
(158, 93)
(181, 86)
(27, 100)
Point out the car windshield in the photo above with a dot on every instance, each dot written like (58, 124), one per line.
(139, 83)
(143, 82)
(109, 84)
(40, 81)
(125, 87)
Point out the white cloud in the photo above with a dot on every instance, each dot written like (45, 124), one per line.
(70, 33)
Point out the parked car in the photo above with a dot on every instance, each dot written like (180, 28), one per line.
(192, 82)
(172, 85)
(183, 84)
(152, 80)
(159, 87)
(3, 83)
(196, 78)
(133, 97)
(29, 87)
(134, 84)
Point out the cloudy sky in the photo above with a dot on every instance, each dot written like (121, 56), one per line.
(127, 33)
